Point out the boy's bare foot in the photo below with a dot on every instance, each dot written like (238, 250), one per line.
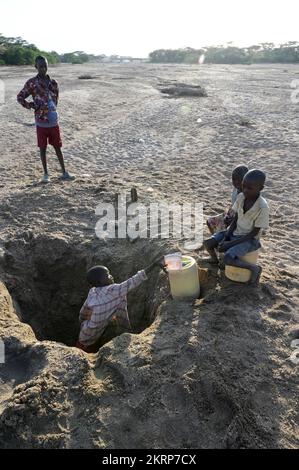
(255, 277)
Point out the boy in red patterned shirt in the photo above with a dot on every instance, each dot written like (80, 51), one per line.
(45, 93)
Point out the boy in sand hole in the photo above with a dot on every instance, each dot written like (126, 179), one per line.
(243, 235)
(45, 93)
(106, 303)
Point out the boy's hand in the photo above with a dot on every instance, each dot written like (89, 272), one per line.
(160, 262)
(86, 314)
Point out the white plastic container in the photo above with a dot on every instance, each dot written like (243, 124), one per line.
(173, 261)
(184, 282)
(240, 274)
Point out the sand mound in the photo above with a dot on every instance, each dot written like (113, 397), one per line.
(182, 89)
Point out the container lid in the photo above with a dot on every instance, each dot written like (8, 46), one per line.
(187, 262)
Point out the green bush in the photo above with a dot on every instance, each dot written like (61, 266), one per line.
(16, 51)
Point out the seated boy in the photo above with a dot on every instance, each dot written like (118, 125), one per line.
(222, 221)
(106, 301)
(243, 235)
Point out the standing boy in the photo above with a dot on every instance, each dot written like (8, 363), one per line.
(45, 93)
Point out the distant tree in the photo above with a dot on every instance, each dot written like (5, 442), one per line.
(266, 52)
(18, 55)
(77, 57)
(17, 51)
(53, 57)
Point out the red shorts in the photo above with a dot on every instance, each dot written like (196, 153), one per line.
(51, 134)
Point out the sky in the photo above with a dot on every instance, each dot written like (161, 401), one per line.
(137, 27)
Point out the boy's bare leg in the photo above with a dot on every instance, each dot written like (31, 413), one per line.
(60, 158)
(210, 246)
(210, 228)
(43, 157)
(256, 270)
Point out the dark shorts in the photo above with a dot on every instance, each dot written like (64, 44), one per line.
(48, 134)
(88, 349)
(241, 249)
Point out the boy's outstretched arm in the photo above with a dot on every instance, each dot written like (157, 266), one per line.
(24, 93)
(118, 290)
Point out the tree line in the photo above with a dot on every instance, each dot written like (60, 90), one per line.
(261, 53)
(17, 51)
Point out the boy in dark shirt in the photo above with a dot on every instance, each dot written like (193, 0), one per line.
(222, 221)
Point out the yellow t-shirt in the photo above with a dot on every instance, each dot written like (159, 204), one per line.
(256, 217)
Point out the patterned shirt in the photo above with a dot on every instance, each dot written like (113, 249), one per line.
(104, 303)
(41, 90)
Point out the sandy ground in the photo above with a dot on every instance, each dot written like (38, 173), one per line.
(213, 374)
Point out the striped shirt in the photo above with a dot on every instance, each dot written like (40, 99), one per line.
(105, 302)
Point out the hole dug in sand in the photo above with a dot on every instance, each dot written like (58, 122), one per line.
(46, 278)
